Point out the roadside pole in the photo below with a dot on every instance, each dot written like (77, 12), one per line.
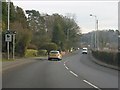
(13, 45)
(8, 28)
(96, 32)
(8, 50)
(97, 35)
(14, 33)
(10, 36)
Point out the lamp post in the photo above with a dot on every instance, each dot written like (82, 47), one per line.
(8, 46)
(97, 35)
(96, 31)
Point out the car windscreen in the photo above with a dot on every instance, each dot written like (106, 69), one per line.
(84, 49)
(53, 52)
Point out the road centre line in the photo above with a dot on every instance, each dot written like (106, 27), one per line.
(66, 67)
(91, 84)
(70, 71)
(65, 61)
(74, 73)
(83, 80)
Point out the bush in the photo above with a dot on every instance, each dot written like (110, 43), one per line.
(107, 57)
(31, 53)
(32, 46)
(49, 47)
(42, 52)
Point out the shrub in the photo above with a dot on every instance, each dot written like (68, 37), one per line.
(42, 52)
(31, 53)
(49, 47)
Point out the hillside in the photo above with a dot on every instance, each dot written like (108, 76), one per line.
(106, 39)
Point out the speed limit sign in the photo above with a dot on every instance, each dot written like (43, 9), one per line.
(8, 37)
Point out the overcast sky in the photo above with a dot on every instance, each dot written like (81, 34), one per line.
(106, 11)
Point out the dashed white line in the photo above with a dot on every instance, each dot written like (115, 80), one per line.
(74, 73)
(83, 80)
(91, 84)
(70, 71)
(65, 62)
(66, 67)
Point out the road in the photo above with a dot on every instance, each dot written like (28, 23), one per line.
(74, 71)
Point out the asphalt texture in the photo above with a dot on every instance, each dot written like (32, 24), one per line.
(74, 71)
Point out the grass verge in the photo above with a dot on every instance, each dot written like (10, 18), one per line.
(6, 60)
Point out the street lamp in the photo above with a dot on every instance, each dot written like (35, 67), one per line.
(96, 29)
(8, 47)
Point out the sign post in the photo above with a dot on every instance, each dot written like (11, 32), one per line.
(8, 39)
(8, 36)
(14, 33)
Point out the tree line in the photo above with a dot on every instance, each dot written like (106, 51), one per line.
(39, 31)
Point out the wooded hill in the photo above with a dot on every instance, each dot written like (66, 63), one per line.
(106, 38)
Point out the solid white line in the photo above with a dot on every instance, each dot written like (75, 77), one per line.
(74, 73)
(91, 84)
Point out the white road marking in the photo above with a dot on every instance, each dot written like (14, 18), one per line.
(65, 62)
(83, 80)
(91, 84)
(70, 71)
(74, 74)
(66, 67)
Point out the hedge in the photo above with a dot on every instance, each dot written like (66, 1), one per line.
(111, 58)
